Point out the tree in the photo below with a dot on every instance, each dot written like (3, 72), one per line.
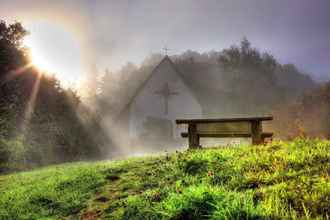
(40, 122)
(13, 60)
(239, 80)
(250, 76)
(307, 116)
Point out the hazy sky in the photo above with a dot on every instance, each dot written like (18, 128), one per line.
(114, 32)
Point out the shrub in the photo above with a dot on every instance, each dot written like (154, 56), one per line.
(193, 166)
(12, 154)
(204, 202)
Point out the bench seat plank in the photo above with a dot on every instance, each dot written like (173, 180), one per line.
(224, 135)
(213, 120)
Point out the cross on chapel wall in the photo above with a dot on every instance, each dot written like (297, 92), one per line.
(166, 93)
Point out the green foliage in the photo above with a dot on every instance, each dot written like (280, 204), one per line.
(55, 191)
(207, 202)
(13, 154)
(139, 209)
(308, 117)
(36, 111)
(193, 166)
(226, 76)
(17, 150)
(282, 180)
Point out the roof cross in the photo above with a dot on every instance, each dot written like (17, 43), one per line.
(166, 49)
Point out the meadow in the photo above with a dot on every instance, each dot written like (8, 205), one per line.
(280, 180)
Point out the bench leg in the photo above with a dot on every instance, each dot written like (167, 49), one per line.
(193, 136)
(256, 131)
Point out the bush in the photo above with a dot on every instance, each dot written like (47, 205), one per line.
(193, 166)
(139, 209)
(12, 154)
(204, 202)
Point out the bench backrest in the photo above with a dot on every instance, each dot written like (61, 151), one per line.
(224, 128)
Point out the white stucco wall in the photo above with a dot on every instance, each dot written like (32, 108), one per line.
(148, 103)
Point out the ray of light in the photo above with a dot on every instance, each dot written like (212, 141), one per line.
(15, 73)
(31, 104)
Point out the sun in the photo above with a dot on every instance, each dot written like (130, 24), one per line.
(55, 50)
(40, 62)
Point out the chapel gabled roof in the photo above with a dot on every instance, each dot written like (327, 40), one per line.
(139, 89)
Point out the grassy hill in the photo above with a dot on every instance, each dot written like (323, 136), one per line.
(280, 180)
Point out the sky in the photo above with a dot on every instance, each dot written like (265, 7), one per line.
(110, 33)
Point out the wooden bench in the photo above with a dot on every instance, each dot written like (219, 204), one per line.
(225, 127)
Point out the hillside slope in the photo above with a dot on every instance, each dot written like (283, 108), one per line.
(280, 180)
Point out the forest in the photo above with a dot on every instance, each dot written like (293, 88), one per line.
(43, 122)
(164, 110)
(40, 121)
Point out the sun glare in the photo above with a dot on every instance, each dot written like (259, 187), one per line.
(55, 50)
(39, 61)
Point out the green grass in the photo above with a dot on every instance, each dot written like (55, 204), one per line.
(282, 180)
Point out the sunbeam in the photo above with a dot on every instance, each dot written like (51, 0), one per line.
(15, 73)
(31, 104)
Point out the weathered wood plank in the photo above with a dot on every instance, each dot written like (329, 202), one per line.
(263, 135)
(224, 127)
(193, 136)
(256, 131)
(214, 120)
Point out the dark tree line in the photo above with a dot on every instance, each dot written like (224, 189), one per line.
(239, 80)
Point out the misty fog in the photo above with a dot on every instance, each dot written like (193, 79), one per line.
(240, 81)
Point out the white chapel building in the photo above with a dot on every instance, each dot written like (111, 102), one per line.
(161, 99)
